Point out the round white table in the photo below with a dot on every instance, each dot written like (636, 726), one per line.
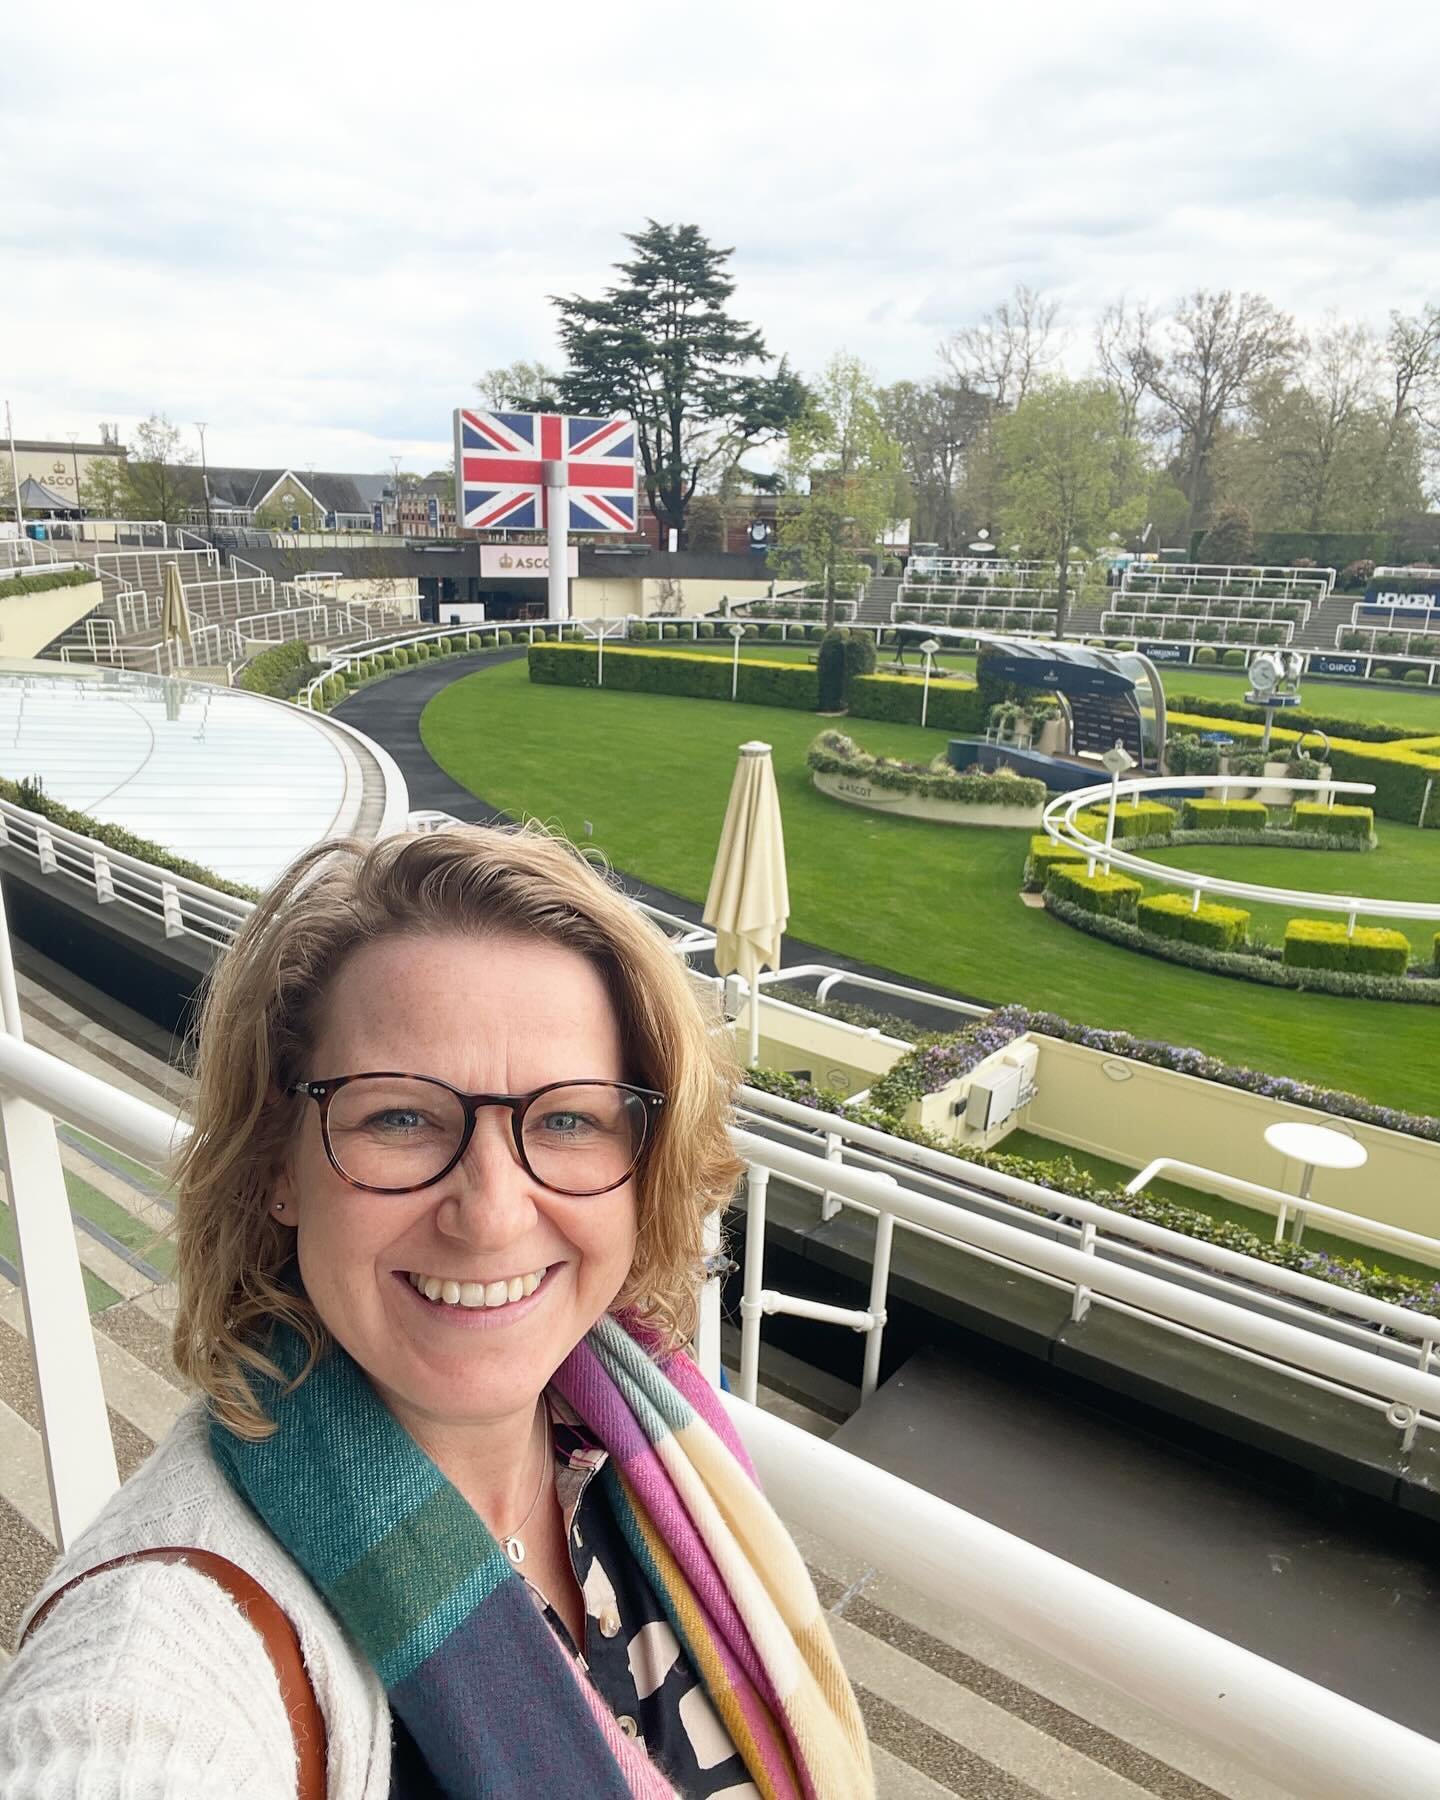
(1313, 1147)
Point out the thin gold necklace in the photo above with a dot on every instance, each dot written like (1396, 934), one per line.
(512, 1540)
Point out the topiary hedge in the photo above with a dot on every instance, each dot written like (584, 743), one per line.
(281, 673)
(1111, 896)
(1043, 855)
(1142, 819)
(1176, 916)
(1330, 944)
(689, 673)
(1298, 719)
(14, 587)
(1334, 821)
(1223, 815)
(955, 704)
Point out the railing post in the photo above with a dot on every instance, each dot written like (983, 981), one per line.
(1080, 1304)
(830, 1204)
(104, 882)
(879, 1293)
(170, 900)
(757, 1181)
(45, 849)
(707, 1335)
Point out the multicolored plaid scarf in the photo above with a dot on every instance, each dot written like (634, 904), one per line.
(492, 1699)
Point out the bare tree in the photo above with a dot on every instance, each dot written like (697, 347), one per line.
(936, 425)
(1412, 353)
(1006, 353)
(1125, 357)
(1217, 347)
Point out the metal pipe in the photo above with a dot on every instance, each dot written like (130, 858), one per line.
(757, 1182)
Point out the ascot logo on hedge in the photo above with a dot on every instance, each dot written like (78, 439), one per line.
(1166, 653)
(524, 562)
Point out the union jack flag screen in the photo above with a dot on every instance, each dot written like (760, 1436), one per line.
(498, 477)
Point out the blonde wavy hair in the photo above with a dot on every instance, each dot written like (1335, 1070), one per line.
(255, 1031)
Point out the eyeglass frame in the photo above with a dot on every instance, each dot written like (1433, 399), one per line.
(322, 1092)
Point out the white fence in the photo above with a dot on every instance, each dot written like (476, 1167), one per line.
(1234, 580)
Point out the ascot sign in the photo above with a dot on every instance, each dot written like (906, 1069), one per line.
(511, 562)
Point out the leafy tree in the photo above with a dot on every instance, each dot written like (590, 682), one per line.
(938, 426)
(707, 525)
(1231, 537)
(1063, 456)
(662, 347)
(1009, 350)
(851, 465)
(159, 479)
(104, 492)
(520, 387)
(1215, 351)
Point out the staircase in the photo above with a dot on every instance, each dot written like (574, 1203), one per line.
(1318, 631)
(880, 595)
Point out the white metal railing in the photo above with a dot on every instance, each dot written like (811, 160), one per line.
(1233, 580)
(1226, 608)
(831, 978)
(349, 656)
(1060, 820)
(1359, 628)
(1130, 624)
(1280, 1725)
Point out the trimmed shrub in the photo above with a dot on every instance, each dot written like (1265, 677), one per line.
(834, 753)
(830, 668)
(1232, 659)
(1044, 854)
(1417, 677)
(686, 672)
(1222, 815)
(1329, 944)
(1176, 916)
(1205, 654)
(1141, 819)
(1111, 896)
(1336, 821)
(280, 673)
(955, 704)
(859, 656)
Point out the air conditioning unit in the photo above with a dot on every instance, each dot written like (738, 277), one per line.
(992, 1098)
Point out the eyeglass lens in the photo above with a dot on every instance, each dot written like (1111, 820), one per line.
(401, 1131)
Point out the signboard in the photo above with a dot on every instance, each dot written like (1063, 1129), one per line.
(1167, 653)
(377, 516)
(1425, 599)
(522, 562)
(499, 470)
(1321, 663)
(432, 509)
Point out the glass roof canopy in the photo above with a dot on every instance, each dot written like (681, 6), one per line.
(225, 778)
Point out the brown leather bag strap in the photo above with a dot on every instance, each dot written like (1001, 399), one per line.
(282, 1644)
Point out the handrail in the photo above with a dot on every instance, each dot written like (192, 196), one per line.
(1285, 1728)
(1059, 821)
(833, 978)
(1373, 1230)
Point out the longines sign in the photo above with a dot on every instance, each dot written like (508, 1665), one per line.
(522, 562)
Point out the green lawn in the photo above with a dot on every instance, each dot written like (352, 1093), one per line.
(652, 774)
(1344, 700)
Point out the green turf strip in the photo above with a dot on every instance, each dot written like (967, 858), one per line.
(124, 1227)
(149, 1179)
(98, 1294)
(939, 903)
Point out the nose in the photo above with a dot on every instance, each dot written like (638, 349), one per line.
(487, 1199)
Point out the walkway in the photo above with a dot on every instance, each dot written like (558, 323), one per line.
(952, 1708)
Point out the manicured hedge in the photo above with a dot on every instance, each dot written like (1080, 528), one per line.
(1112, 896)
(1296, 718)
(1336, 821)
(1222, 815)
(1328, 944)
(1140, 819)
(955, 705)
(696, 676)
(1044, 854)
(281, 672)
(1175, 916)
(833, 753)
(40, 584)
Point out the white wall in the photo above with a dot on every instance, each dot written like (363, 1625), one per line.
(28, 621)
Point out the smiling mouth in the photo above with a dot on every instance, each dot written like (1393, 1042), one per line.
(476, 1295)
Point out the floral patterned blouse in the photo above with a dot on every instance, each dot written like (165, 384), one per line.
(631, 1653)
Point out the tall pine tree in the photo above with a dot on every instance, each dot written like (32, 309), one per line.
(662, 347)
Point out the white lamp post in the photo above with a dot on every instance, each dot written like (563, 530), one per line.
(737, 632)
(1117, 761)
(930, 646)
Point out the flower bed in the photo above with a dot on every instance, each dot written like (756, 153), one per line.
(931, 790)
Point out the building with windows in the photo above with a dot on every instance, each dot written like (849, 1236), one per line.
(60, 467)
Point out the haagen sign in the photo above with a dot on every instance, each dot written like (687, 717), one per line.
(522, 562)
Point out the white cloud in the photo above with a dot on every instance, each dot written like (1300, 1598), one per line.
(315, 226)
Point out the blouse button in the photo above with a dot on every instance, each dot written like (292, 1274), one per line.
(609, 1622)
(628, 1725)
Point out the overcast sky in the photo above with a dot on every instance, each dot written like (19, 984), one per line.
(314, 226)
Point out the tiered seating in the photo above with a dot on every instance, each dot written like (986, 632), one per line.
(1228, 581)
(1012, 596)
(1203, 619)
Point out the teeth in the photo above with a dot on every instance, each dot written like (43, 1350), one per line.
(476, 1293)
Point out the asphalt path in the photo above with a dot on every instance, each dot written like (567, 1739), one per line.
(389, 712)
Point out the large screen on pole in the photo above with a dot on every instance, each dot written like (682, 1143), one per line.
(499, 458)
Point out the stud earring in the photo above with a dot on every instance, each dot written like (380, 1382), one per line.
(279, 1206)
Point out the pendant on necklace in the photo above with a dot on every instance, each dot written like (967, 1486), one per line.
(515, 1550)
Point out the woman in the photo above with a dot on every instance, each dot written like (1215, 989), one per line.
(458, 1122)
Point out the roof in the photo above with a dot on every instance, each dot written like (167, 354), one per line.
(331, 492)
(65, 448)
(36, 497)
(1067, 667)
